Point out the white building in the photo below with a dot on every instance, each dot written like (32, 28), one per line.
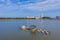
(37, 17)
(30, 17)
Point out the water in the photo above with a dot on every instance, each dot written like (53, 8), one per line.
(9, 30)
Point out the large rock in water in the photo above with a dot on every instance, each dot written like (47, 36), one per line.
(23, 27)
(34, 30)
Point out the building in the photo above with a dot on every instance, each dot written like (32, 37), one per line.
(30, 17)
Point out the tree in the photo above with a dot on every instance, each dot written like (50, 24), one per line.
(57, 17)
(46, 17)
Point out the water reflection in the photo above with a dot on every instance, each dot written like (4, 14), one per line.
(33, 36)
(9, 30)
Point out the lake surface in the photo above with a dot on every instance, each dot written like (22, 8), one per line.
(9, 30)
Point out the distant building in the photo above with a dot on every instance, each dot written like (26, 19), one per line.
(30, 17)
(37, 17)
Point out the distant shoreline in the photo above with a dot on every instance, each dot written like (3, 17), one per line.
(28, 19)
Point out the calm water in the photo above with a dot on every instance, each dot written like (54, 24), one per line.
(9, 30)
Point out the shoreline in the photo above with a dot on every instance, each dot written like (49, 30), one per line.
(28, 19)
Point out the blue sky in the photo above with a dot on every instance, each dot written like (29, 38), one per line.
(23, 8)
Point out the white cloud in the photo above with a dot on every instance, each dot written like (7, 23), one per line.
(10, 8)
(46, 5)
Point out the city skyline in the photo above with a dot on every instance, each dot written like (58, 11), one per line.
(23, 8)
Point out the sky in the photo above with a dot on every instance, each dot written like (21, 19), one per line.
(23, 8)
